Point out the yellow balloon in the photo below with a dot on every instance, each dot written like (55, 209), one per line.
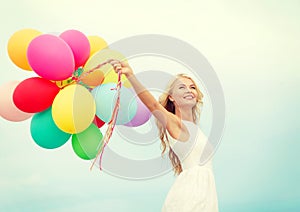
(17, 47)
(97, 43)
(99, 57)
(111, 76)
(73, 109)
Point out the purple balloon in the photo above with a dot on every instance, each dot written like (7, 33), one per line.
(51, 57)
(142, 115)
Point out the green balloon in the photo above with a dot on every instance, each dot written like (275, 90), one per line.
(87, 143)
(44, 131)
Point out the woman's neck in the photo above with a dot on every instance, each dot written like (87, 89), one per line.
(184, 114)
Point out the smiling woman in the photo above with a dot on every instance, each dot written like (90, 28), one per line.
(182, 92)
(177, 113)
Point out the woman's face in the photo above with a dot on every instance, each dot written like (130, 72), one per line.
(184, 93)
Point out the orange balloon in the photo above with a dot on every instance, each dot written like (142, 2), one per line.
(17, 47)
(93, 79)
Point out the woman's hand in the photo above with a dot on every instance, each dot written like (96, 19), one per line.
(122, 67)
(169, 120)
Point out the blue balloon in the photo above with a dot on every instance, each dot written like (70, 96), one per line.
(105, 96)
(44, 131)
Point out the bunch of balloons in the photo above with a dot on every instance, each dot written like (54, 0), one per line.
(68, 97)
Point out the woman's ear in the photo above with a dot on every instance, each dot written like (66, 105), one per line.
(171, 99)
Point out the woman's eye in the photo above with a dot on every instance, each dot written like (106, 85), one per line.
(193, 87)
(181, 87)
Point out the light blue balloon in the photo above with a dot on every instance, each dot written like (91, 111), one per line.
(44, 131)
(105, 97)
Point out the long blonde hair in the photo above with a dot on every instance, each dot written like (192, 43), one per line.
(169, 105)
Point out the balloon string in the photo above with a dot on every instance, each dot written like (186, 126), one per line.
(77, 77)
(111, 124)
(92, 70)
(79, 74)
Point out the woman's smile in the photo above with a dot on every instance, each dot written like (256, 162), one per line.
(189, 97)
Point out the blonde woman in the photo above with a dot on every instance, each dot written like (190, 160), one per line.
(177, 113)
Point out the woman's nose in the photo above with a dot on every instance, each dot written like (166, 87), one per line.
(188, 90)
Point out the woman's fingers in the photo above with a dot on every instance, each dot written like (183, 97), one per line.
(116, 65)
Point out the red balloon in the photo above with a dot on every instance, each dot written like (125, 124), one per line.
(35, 94)
(98, 122)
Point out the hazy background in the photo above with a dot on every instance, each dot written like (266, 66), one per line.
(254, 47)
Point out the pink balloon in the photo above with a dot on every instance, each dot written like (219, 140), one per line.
(51, 57)
(8, 110)
(79, 44)
(142, 115)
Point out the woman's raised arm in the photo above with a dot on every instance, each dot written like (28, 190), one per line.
(169, 120)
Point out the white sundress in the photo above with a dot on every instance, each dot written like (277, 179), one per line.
(194, 188)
